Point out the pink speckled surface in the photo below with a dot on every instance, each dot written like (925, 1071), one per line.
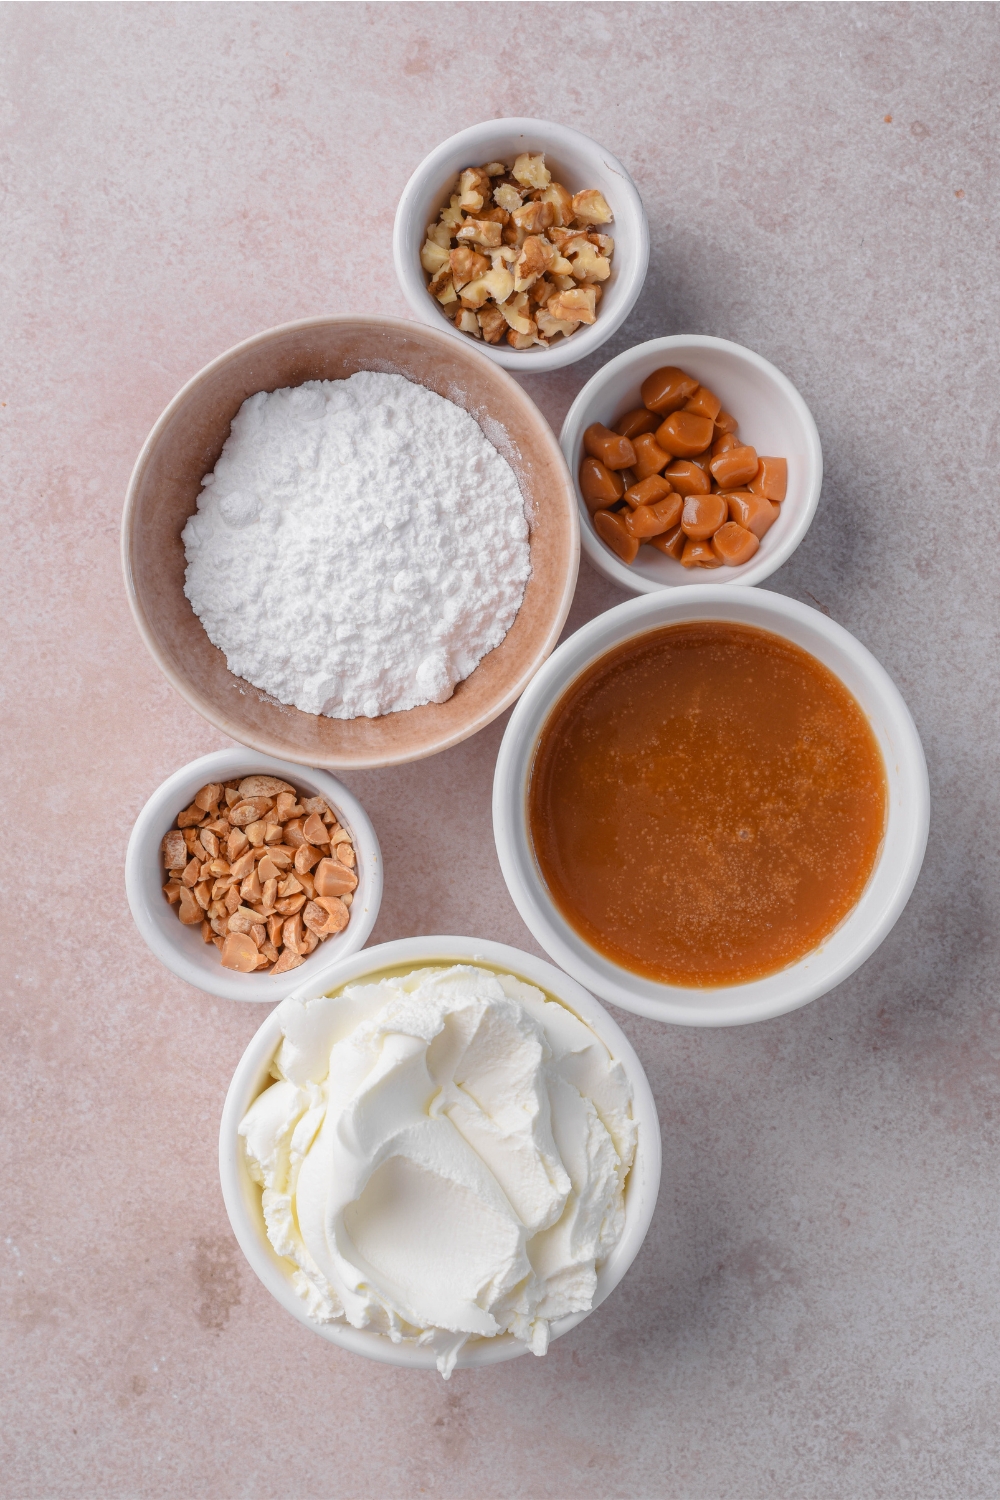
(815, 1311)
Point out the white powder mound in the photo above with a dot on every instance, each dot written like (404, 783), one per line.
(359, 548)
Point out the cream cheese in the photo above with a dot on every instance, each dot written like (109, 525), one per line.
(442, 1157)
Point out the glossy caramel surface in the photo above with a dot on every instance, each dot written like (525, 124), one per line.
(706, 804)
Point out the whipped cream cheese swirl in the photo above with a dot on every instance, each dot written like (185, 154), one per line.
(442, 1157)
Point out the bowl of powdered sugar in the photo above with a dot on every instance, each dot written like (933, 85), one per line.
(349, 543)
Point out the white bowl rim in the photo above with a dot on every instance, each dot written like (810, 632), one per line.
(760, 567)
(641, 1188)
(735, 1004)
(169, 799)
(586, 340)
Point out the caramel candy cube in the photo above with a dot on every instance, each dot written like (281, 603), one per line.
(671, 543)
(685, 434)
(614, 451)
(599, 485)
(688, 478)
(647, 521)
(647, 491)
(771, 479)
(699, 554)
(705, 403)
(667, 390)
(734, 468)
(634, 423)
(613, 532)
(734, 545)
(752, 512)
(703, 515)
(650, 458)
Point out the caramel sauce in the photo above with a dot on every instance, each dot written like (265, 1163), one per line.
(706, 803)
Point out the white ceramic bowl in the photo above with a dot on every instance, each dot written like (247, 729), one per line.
(243, 1198)
(892, 879)
(773, 418)
(574, 160)
(182, 948)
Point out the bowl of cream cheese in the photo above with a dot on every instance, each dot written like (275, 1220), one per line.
(441, 1152)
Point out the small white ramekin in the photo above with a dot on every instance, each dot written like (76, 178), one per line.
(773, 418)
(574, 160)
(891, 882)
(182, 948)
(243, 1198)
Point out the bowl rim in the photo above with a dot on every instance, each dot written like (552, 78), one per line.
(641, 1188)
(758, 568)
(143, 846)
(758, 1000)
(261, 742)
(411, 277)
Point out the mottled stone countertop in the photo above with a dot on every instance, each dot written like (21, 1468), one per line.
(816, 1310)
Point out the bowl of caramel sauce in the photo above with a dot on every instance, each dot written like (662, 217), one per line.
(711, 806)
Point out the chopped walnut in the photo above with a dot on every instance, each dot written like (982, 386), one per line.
(533, 217)
(561, 201)
(441, 282)
(591, 207)
(507, 196)
(466, 265)
(492, 322)
(515, 311)
(433, 257)
(240, 890)
(537, 255)
(473, 189)
(480, 232)
(580, 304)
(549, 326)
(589, 265)
(531, 171)
(513, 256)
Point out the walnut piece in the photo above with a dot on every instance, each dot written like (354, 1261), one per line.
(590, 207)
(579, 304)
(531, 171)
(514, 255)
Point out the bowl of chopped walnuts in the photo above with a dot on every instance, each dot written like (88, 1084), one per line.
(524, 237)
(246, 874)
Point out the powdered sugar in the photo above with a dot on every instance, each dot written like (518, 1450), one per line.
(359, 547)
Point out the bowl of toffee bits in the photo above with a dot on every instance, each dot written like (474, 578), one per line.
(246, 874)
(524, 237)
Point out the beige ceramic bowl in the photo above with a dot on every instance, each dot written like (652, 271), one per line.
(185, 445)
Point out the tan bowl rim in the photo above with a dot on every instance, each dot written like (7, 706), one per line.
(261, 741)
